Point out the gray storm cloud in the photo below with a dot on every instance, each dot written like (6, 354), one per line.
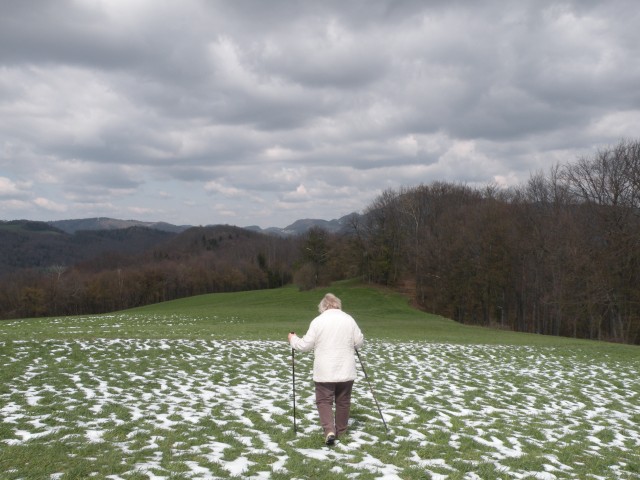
(255, 112)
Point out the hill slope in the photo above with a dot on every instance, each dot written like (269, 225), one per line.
(104, 223)
(270, 314)
(27, 244)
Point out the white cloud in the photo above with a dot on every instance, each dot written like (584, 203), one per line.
(219, 187)
(622, 124)
(507, 180)
(279, 153)
(49, 205)
(8, 188)
(299, 195)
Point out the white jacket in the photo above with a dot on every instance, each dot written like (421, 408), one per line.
(333, 335)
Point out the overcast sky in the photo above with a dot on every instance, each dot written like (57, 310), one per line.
(264, 112)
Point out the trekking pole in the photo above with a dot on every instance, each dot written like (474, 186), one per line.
(372, 394)
(293, 370)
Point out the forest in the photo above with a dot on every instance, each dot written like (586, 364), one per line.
(557, 255)
(200, 260)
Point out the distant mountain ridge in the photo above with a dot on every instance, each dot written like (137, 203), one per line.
(302, 226)
(37, 244)
(27, 244)
(104, 223)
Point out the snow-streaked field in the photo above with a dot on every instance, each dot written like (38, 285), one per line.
(207, 409)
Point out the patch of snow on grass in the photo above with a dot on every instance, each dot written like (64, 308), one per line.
(224, 408)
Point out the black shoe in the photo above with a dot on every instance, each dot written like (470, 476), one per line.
(330, 439)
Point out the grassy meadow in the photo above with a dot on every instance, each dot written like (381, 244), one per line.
(201, 388)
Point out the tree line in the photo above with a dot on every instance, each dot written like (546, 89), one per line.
(200, 260)
(558, 255)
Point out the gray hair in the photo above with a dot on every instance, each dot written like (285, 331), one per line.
(329, 301)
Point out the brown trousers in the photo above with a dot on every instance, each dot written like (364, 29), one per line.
(326, 393)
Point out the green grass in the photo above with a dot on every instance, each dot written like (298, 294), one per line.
(200, 388)
(270, 314)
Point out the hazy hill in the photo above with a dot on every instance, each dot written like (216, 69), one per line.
(298, 227)
(104, 223)
(302, 226)
(31, 244)
(26, 244)
(195, 240)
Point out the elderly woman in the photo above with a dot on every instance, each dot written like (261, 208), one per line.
(333, 336)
